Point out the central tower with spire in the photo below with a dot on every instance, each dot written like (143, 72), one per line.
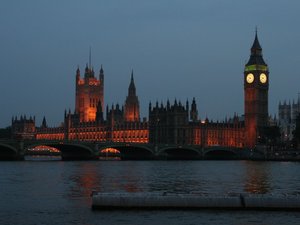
(132, 106)
(89, 93)
(256, 87)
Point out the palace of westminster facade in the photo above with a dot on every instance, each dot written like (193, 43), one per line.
(170, 123)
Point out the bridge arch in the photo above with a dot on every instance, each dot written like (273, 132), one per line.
(220, 153)
(131, 151)
(69, 151)
(180, 152)
(8, 152)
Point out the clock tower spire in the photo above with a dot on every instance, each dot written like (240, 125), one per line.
(256, 86)
(132, 105)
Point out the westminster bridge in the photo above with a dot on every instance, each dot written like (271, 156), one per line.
(81, 150)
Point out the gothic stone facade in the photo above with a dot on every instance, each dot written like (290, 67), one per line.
(174, 124)
(23, 128)
(89, 93)
(87, 122)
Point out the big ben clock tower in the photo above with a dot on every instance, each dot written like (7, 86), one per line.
(256, 86)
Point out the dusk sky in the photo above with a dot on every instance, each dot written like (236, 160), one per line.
(177, 49)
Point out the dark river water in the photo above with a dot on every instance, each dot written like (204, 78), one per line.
(58, 192)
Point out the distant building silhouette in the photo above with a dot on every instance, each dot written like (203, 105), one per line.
(287, 115)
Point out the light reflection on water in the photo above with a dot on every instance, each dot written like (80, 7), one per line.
(48, 192)
(258, 178)
(197, 177)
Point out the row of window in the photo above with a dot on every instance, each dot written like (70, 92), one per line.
(50, 136)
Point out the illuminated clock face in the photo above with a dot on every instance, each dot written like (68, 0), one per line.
(263, 78)
(250, 78)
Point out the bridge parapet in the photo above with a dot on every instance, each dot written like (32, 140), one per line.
(91, 150)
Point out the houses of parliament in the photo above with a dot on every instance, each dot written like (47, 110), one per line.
(175, 123)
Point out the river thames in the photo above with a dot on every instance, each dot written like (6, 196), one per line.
(58, 192)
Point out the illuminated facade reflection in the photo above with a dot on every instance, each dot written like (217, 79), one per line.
(257, 178)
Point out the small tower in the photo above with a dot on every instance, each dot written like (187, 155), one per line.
(99, 113)
(194, 111)
(132, 106)
(101, 78)
(44, 123)
(256, 87)
(77, 74)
